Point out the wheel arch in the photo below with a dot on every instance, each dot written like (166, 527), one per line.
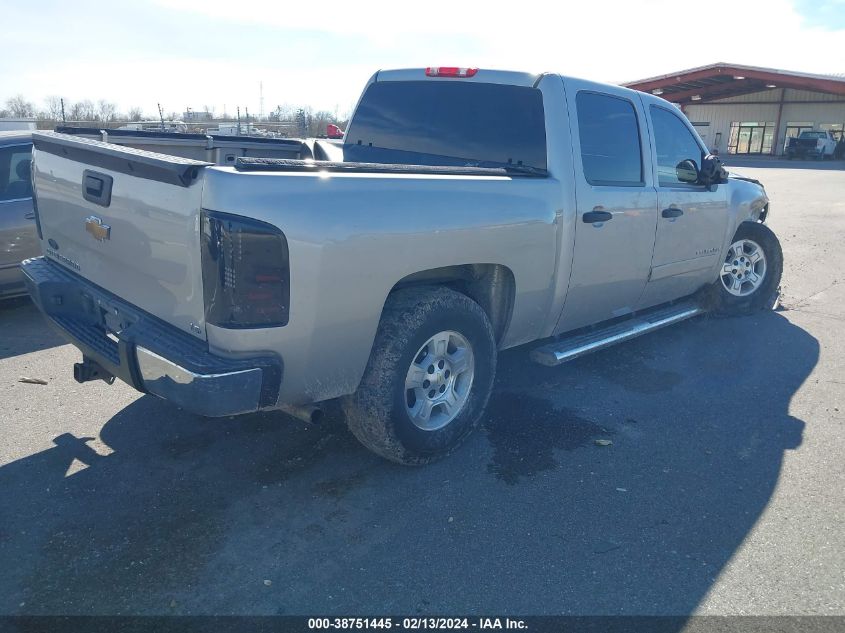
(492, 286)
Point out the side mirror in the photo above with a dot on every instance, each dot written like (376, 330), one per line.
(687, 171)
(712, 171)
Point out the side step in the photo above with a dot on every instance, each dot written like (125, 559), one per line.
(566, 349)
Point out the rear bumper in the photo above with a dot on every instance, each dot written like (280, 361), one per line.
(146, 353)
(805, 152)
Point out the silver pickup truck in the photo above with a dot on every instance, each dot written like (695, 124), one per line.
(471, 211)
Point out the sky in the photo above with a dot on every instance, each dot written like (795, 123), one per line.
(199, 53)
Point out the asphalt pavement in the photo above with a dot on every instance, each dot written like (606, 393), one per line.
(722, 491)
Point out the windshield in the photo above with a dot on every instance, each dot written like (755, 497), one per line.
(448, 123)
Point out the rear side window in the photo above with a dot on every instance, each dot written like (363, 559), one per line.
(449, 123)
(610, 140)
(15, 177)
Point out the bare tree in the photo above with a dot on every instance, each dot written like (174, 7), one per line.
(319, 122)
(20, 107)
(53, 110)
(106, 110)
(83, 111)
(135, 114)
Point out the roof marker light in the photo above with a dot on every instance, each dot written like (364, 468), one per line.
(771, 86)
(657, 91)
(696, 97)
(738, 77)
(449, 71)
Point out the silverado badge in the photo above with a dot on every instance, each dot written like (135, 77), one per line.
(95, 227)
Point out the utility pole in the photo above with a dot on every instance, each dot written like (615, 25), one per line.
(63, 110)
(239, 120)
(161, 116)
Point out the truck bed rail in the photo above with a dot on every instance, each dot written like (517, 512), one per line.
(286, 164)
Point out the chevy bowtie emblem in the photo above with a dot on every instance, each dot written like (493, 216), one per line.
(95, 227)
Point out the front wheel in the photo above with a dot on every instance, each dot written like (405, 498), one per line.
(749, 279)
(428, 378)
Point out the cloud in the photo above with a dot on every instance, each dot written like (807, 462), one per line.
(215, 52)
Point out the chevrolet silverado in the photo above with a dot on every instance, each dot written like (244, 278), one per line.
(470, 211)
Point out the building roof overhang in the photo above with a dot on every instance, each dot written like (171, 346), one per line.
(722, 80)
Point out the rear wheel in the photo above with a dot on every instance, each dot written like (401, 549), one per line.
(749, 279)
(428, 378)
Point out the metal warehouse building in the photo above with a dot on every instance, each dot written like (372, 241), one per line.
(749, 110)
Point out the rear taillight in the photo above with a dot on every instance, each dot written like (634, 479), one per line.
(245, 272)
(449, 71)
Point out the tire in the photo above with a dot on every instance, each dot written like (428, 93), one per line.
(381, 412)
(754, 296)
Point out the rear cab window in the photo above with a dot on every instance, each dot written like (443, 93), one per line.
(448, 123)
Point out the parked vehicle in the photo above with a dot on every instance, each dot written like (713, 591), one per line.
(13, 124)
(473, 211)
(18, 238)
(809, 144)
(222, 149)
(155, 126)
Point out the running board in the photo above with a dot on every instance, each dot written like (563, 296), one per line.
(566, 349)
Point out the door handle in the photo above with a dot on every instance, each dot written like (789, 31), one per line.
(597, 216)
(30, 215)
(672, 212)
(96, 187)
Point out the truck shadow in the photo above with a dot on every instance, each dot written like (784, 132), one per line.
(23, 329)
(265, 515)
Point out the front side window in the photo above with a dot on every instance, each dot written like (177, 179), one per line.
(610, 140)
(15, 177)
(674, 144)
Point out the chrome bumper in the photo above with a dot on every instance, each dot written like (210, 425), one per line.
(212, 395)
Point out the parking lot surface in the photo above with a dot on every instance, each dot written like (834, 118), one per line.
(722, 492)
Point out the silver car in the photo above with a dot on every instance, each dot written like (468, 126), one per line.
(18, 233)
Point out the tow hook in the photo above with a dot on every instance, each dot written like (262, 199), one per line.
(89, 370)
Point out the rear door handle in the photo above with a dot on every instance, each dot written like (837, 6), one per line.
(591, 217)
(672, 212)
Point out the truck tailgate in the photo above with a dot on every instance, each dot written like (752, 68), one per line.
(125, 219)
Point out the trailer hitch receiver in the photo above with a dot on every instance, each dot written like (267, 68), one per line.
(89, 370)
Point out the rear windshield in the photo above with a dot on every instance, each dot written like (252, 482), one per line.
(448, 123)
